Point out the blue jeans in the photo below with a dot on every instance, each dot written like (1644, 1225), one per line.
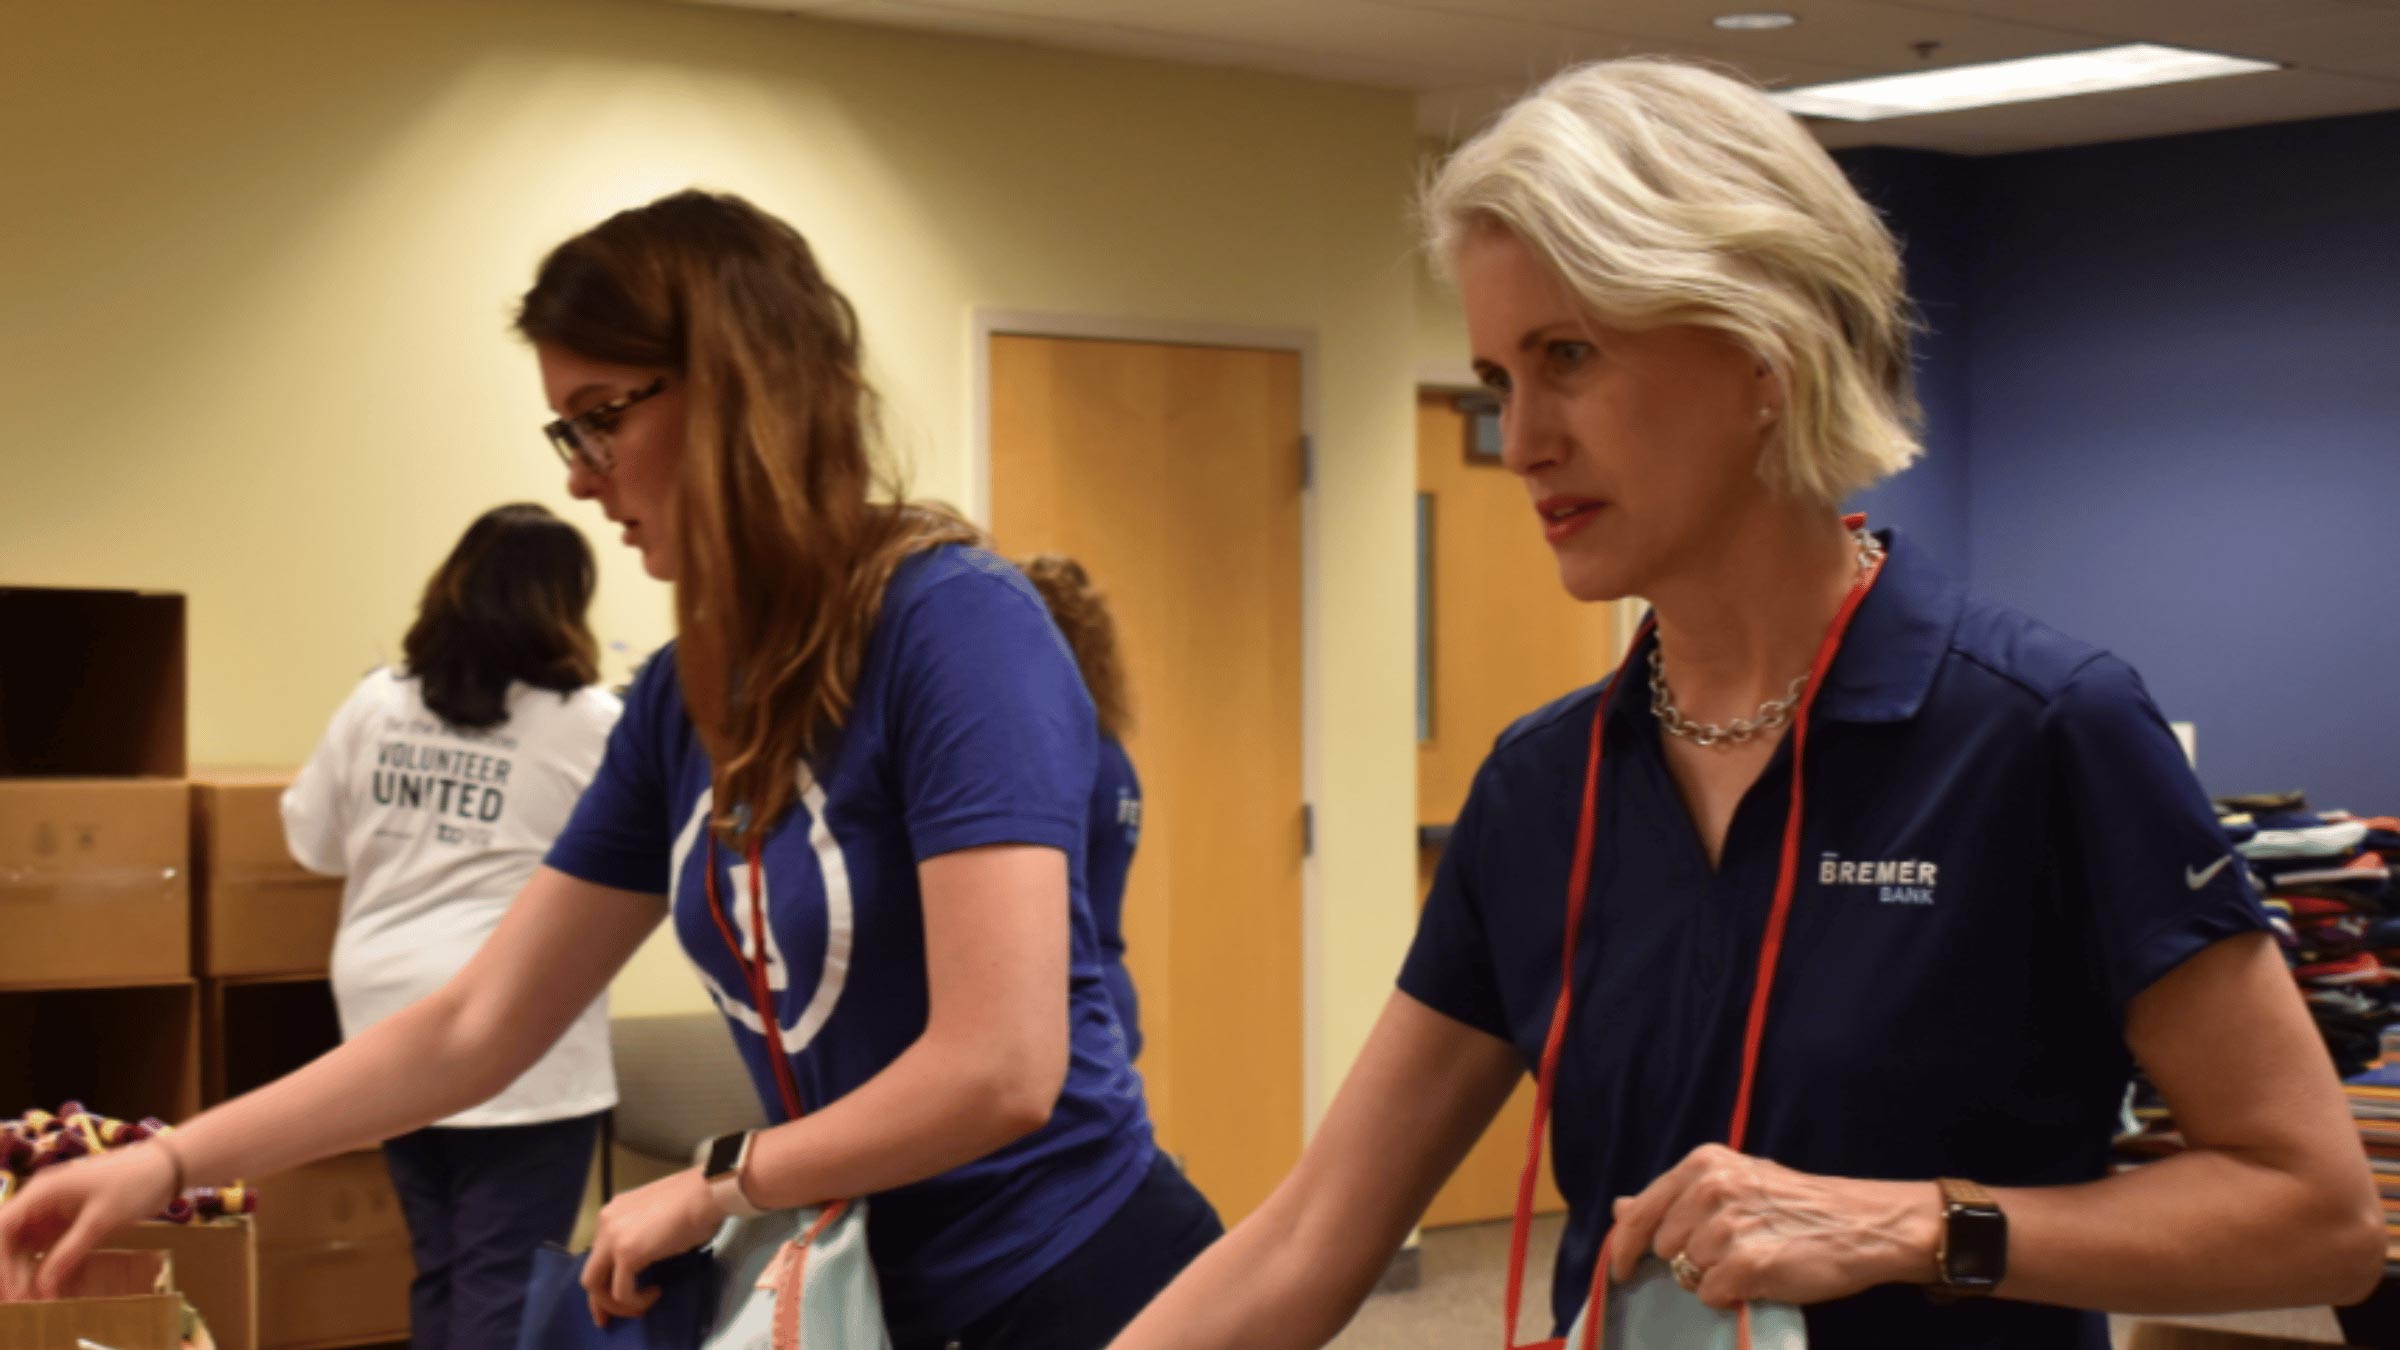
(1085, 1300)
(478, 1201)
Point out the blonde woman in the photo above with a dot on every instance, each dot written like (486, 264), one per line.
(1891, 884)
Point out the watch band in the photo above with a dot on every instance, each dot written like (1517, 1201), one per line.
(1956, 1191)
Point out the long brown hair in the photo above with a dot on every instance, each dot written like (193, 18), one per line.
(783, 549)
(511, 603)
(1082, 615)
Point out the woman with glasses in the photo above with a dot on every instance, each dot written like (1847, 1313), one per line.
(436, 790)
(856, 784)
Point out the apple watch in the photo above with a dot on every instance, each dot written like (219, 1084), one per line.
(722, 1161)
(1973, 1257)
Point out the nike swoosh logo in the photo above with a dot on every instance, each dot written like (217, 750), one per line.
(2197, 878)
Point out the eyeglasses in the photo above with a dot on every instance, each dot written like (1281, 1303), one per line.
(583, 438)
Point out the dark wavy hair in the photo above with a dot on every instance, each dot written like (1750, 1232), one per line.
(788, 528)
(511, 603)
(1083, 618)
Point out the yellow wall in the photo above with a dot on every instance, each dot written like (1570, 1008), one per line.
(256, 262)
(1441, 333)
(1441, 327)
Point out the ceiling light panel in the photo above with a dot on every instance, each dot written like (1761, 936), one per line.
(1989, 84)
(1754, 21)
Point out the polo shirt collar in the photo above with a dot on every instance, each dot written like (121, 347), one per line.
(1896, 641)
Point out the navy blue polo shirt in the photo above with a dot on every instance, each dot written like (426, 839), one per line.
(969, 726)
(1998, 846)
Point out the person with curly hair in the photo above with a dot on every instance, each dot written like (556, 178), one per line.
(1115, 823)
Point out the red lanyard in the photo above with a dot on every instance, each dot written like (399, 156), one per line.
(789, 1269)
(1579, 877)
(754, 973)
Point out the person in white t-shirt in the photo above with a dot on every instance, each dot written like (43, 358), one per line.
(436, 791)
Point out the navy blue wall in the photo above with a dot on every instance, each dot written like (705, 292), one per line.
(2184, 419)
(1927, 199)
(2171, 386)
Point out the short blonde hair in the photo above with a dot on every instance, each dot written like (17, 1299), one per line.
(1664, 193)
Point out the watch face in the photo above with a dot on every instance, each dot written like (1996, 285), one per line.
(724, 1155)
(1977, 1255)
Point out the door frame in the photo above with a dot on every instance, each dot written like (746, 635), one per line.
(987, 323)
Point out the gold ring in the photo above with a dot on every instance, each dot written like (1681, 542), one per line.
(1687, 1273)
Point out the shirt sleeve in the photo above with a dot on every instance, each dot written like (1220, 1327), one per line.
(992, 734)
(316, 815)
(619, 835)
(2141, 856)
(1450, 967)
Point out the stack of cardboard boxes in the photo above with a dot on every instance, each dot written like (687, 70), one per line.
(160, 951)
(333, 1255)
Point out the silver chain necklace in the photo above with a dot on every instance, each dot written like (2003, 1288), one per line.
(1772, 715)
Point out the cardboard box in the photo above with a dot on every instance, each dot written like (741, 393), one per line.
(121, 1299)
(127, 1053)
(91, 683)
(259, 912)
(95, 884)
(333, 1255)
(216, 1271)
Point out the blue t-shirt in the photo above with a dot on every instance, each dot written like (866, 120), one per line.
(1116, 829)
(970, 727)
(2000, 840)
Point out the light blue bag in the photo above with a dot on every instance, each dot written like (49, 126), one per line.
(797, 1278)
(1652, 1312)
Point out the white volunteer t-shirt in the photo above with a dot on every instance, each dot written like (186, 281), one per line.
(436, 830)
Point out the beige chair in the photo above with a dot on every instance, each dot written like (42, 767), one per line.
(679, 1081)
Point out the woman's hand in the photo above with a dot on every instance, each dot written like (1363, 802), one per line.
(1759, 1231)
(639, 1228)
(67, 1210)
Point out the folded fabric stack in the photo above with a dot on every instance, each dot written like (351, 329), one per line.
(2329, 883)
(2333, 892)
(2376, 1107)
(41, 1139)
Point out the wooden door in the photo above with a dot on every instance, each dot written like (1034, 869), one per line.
(1505, 638)
(1173, 474)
